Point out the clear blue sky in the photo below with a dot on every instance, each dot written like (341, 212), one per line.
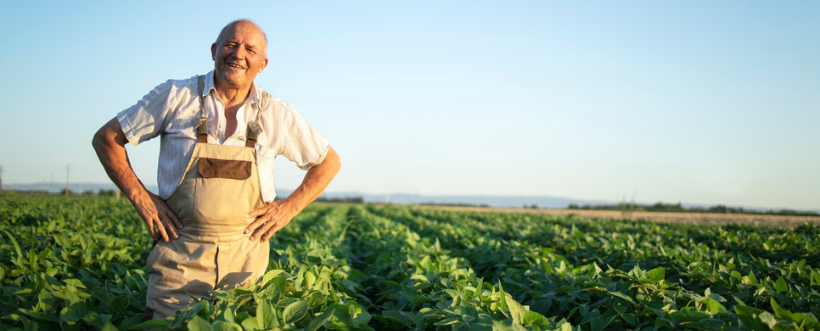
(696, 101)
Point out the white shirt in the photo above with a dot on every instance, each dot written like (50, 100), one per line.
(172, 111)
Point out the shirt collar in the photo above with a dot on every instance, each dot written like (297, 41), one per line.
(253, 96)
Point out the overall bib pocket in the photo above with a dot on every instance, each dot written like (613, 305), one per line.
(217, 187)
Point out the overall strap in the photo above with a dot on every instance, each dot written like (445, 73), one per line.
(255, 127)
(202, 129)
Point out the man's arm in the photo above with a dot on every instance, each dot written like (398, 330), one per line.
(274, 216)
(109, 143)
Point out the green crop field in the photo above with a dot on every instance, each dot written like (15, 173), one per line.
(76, 263)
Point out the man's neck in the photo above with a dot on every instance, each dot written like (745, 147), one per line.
(232, 96)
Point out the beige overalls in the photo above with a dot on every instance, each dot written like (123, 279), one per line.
(219, 188)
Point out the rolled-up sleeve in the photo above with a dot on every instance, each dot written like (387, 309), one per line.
(145, 119)
(303, 144)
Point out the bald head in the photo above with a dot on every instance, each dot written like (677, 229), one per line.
(239, 54)
(244, 22)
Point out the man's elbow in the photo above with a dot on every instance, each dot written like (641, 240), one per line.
(101, 140)
(332, 161)
(97, 140)
(108, 135)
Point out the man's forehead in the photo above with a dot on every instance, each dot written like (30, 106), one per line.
(243, 30)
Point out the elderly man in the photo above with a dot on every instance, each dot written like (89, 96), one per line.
(220, 134)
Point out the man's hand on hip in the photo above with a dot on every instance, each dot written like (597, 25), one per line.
(159, 217)
(109, 144)
(270, 218)
(274, 216)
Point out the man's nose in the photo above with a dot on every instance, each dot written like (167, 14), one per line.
(240, 52)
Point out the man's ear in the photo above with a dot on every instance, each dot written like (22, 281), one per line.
(213, 51)
(264, 65)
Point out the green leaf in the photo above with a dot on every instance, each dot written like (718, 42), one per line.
(152, 324)
(750, 316)
(266, 316)
(403, 317)
(807, 320)
(358, 315)
(516, 310)
(503, 300)
(452, 293)
(468, 314)
(446, 321)
(226, 326)
(589, 316)
(629, 318)
(228, 315)
(98, 320)
(40, 315)
(622, 296)
(444, 304)
(714, 306)
(815, 277)
(286, 301)
(533, 318)
(319, 321)
(199, 324)
(419, 277)
(295, 311)
(780, 285)
(242, 316)
(74, 282)
(656, 274)
(250, 324)
(566, 326)
(310, 280)
(619, 308)
(688, 315)
(273, 292)
(67, 315)
(14, 242)
(752, 278)
(599, 324)
(270, 275)
(768, 319)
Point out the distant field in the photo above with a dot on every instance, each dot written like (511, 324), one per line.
(783, 221)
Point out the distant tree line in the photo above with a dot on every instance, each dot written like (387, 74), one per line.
(454, 204)
(678, 208)
(100, 192)
(342, 200)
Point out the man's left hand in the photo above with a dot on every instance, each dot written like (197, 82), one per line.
(274, 216)
(269, 219)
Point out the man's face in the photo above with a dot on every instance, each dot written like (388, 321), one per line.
(239, 55)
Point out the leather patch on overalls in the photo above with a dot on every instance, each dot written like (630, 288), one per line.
(229, 169)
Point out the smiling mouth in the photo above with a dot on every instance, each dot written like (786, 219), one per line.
(235, 66)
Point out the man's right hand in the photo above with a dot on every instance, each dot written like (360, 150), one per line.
(159, 217)
(109, 143)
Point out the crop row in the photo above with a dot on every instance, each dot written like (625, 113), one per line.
(78, 263)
